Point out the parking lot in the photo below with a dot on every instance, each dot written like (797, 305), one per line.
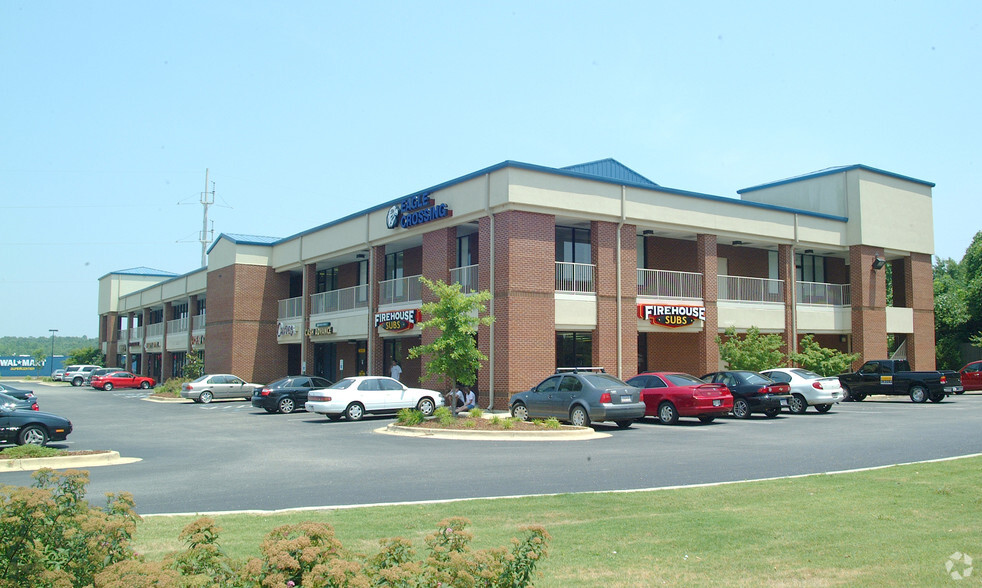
(231, 456)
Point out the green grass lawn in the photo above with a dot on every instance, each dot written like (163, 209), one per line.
(889, 527)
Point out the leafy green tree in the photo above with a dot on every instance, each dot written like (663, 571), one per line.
(86, 355)
(822, 360)
(754, 351)
(40, 359)
(194, 366)
(454, 354)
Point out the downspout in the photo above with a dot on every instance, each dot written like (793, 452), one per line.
(304, 343)
(794, 291)
(370, 341)
(487, 209)
(620, 322)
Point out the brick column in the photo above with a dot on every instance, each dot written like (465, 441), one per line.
(708, 265)
(869, 300)
(438, 256)
(375, 367)
(144, 321)
(192, 312)
(603, 237)
(484, 331)
(130, 321)
(787, 275)
(919, 294)
(111, 322)
(307, 348)
(166, 357)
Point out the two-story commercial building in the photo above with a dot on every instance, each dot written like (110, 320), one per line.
(591, 264)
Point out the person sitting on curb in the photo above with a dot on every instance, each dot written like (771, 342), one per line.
(470, 400)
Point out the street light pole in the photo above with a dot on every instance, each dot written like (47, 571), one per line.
(51, 370)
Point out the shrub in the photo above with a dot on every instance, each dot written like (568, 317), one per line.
(496, 420)
(508, 423)
(171, 388)
(444, 415)
(551, 423)
(409, 417)
(476, 412)
(26, 451)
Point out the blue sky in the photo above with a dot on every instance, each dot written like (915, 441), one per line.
(307, 111)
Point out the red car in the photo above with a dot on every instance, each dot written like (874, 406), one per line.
(122, 380)
(971, 376)
(669, 395)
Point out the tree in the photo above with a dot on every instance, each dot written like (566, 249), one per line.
(822, 360)
(753, 352)
(454, 354)
(194, 366)
(40, 359)
(85, 356)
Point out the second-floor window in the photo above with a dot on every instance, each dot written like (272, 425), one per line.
(327, 280)
(393, 265)
(573, 245)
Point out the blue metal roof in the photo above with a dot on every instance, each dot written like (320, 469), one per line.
(834, 170)
(610, 169)
(243, 239)
(142, 271)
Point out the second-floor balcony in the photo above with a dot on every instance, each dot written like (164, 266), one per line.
(198, 322)
(823, 294)
(177, 325)
(466, 276)
(339, 300)
(575, 278)
(155, 330)
(400, 290)
(743, 289)
(656, 283)
(290, 308)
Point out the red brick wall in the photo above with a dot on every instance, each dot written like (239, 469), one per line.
(707, 351)
(347, 275)
(869, 321)
(745, 261)
(676, 352)
(671, 254)
(919, 292)
(484, 331)
(603, 237)
(836, 271)
(242, 312)
(438, 255)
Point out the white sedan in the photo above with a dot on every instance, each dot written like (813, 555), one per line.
(808, 388)
(353, 397)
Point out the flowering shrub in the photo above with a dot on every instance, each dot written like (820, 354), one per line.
(50, 537)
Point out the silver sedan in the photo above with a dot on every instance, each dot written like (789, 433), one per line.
(808, 389)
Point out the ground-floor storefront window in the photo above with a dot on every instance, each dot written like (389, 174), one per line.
(574, 348)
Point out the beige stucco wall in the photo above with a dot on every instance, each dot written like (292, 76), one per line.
(576, 312)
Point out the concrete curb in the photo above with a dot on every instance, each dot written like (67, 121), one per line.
(580, 434)
(65, 462)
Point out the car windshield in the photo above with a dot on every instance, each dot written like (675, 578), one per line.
(603, 380)
(807, 374)
(683, 380)
(752, 378)
(343, 384)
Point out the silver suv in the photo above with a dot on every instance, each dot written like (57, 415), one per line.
(76, 373)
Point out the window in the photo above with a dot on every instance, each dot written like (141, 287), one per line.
(574, 349)
(573, 245)
(394, 265)
(809, 268)
(326, 280)
(467, 250)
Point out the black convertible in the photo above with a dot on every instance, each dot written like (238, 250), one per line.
(32, 427)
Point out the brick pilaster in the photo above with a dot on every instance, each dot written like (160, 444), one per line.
(707, 352)
(869, 321)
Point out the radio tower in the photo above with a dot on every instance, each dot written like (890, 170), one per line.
(207, 198)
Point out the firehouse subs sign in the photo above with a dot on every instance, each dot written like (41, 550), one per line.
(671, 315)
(416, 210)
(398, 320)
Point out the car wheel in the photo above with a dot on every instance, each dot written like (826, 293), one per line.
(354, 412)
(520, 411)
(918, 394)
(798, 404)
(741, 408)
(579, 417)
(771, 412)
(667, 413)
(823, 408)
(706, 419)
(205, 397)
(937, 397)
(145, 385)
(624, 424)
(286, 405)
(76, 382)
(426, 406)
(32, 435)
(108, 387)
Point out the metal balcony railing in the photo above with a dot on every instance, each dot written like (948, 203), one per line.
(121, 335)
(400, 290)
(339, 300)
(575, 278)
(178, 325)
(466, 276)
(669, 284)
(743, 289)
(290, 308)
(823, 294)
(137, 334)
(198, 322)
(155, 330)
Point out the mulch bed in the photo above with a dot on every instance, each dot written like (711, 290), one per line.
(467, 423)
(62, 454)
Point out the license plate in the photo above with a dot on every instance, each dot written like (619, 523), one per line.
(784, 402)
(950, 389)
(625, 398)
(717, 403)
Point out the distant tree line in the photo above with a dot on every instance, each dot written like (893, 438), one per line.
(29, 345)
(958, 304)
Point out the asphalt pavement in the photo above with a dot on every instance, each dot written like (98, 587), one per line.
(229, 456)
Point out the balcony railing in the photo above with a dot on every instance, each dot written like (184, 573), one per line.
(155, 330)
(574, 278)
(137, 333)
(399, 290)
(823, 294)
(197, 322)
(339, 300)
(742, 289)
(178, 325)
(121, 335)
(290, 308)
(669, 284)
(466, 276)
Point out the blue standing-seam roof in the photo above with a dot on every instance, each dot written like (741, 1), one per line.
(834, 170)
(142, 271)
(610, 169)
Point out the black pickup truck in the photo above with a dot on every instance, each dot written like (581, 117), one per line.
(893, 376)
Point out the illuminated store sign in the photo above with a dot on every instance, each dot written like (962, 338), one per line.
(416, 210)
(671, 315)
(398, 320)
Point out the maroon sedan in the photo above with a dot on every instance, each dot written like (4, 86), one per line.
(971, 376)
(121, 380)
(669, 395)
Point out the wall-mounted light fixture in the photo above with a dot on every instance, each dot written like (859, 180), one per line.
(807, 251)
(738, 242)
(360, 256)
(647, 232)
(878, 262)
